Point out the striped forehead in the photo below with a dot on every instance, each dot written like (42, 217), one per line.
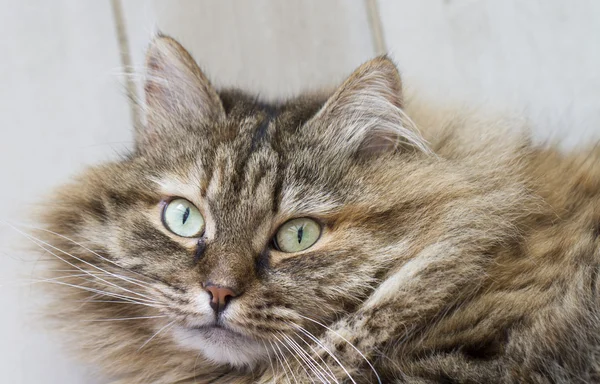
(247, 175)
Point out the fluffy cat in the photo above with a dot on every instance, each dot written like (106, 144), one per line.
(326, 239)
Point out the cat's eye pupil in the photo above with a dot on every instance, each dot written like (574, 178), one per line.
(300, 230)
(186, 214)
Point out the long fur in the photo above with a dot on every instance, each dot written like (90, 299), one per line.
(455, 253)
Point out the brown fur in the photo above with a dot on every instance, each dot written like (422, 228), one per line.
(458, 254)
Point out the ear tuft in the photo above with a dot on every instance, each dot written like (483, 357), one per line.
(176, 91)
(365, 113)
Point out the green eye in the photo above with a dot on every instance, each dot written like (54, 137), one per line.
(182, 218)
(297, 235)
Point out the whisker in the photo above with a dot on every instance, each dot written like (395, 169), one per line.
(277, 357)
(270, 358)
(106, 301)
(141, 283)
(97, 273)
(106, 293)
(349, 343)
(195, 365)
(153, 336)
(306, 358)
(294, 356)
(280, 364)
(314, 338)
(281, 359)
(137, 299)
(330, 374)
(322, 366)
(27, 282)
(125, 299)
(125, 318)
(38, 242)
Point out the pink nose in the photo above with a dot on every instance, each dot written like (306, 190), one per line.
(220, 296)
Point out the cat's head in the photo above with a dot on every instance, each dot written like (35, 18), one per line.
(235, 223)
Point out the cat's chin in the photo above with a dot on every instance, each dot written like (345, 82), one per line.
(221, 346)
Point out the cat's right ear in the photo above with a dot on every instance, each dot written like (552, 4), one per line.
(178, 96)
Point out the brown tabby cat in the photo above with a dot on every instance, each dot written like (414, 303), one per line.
(325, 239)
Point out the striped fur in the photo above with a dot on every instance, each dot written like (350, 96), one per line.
(460, 253)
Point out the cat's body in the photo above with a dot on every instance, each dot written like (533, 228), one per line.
(464, 255)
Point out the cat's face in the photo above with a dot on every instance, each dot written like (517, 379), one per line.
(234, 223)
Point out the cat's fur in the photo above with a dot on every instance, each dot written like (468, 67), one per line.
(460, 253)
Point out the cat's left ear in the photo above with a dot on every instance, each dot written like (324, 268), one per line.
(177, 94)
(365, 114)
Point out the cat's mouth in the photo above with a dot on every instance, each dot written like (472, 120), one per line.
(216, 329)
(218, 332)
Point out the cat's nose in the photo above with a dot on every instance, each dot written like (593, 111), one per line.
(219, 296)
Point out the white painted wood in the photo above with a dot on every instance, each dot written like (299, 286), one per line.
(276, 48)
(540, 58)
(61, 108)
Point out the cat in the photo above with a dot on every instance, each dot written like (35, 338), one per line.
(350, 236)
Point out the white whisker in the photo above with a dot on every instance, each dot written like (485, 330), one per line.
(280, 355)
(156, 334)
(137, 299)
(294, 356)
(280, 364)
(105, 293)
(27, 282)
(140, 282)
(349, 343)
(330, 374)
(108, 301)
(270, 358)
(313, 338)
(124, 318)
(312, 364)
(39, 242)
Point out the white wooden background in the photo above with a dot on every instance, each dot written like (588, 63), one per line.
(63, 104)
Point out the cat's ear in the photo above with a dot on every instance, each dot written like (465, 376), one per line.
(365, 113)
(177, 94)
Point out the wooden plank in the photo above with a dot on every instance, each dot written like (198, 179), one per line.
(540, 57)
(272, 47)
(62, 107)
